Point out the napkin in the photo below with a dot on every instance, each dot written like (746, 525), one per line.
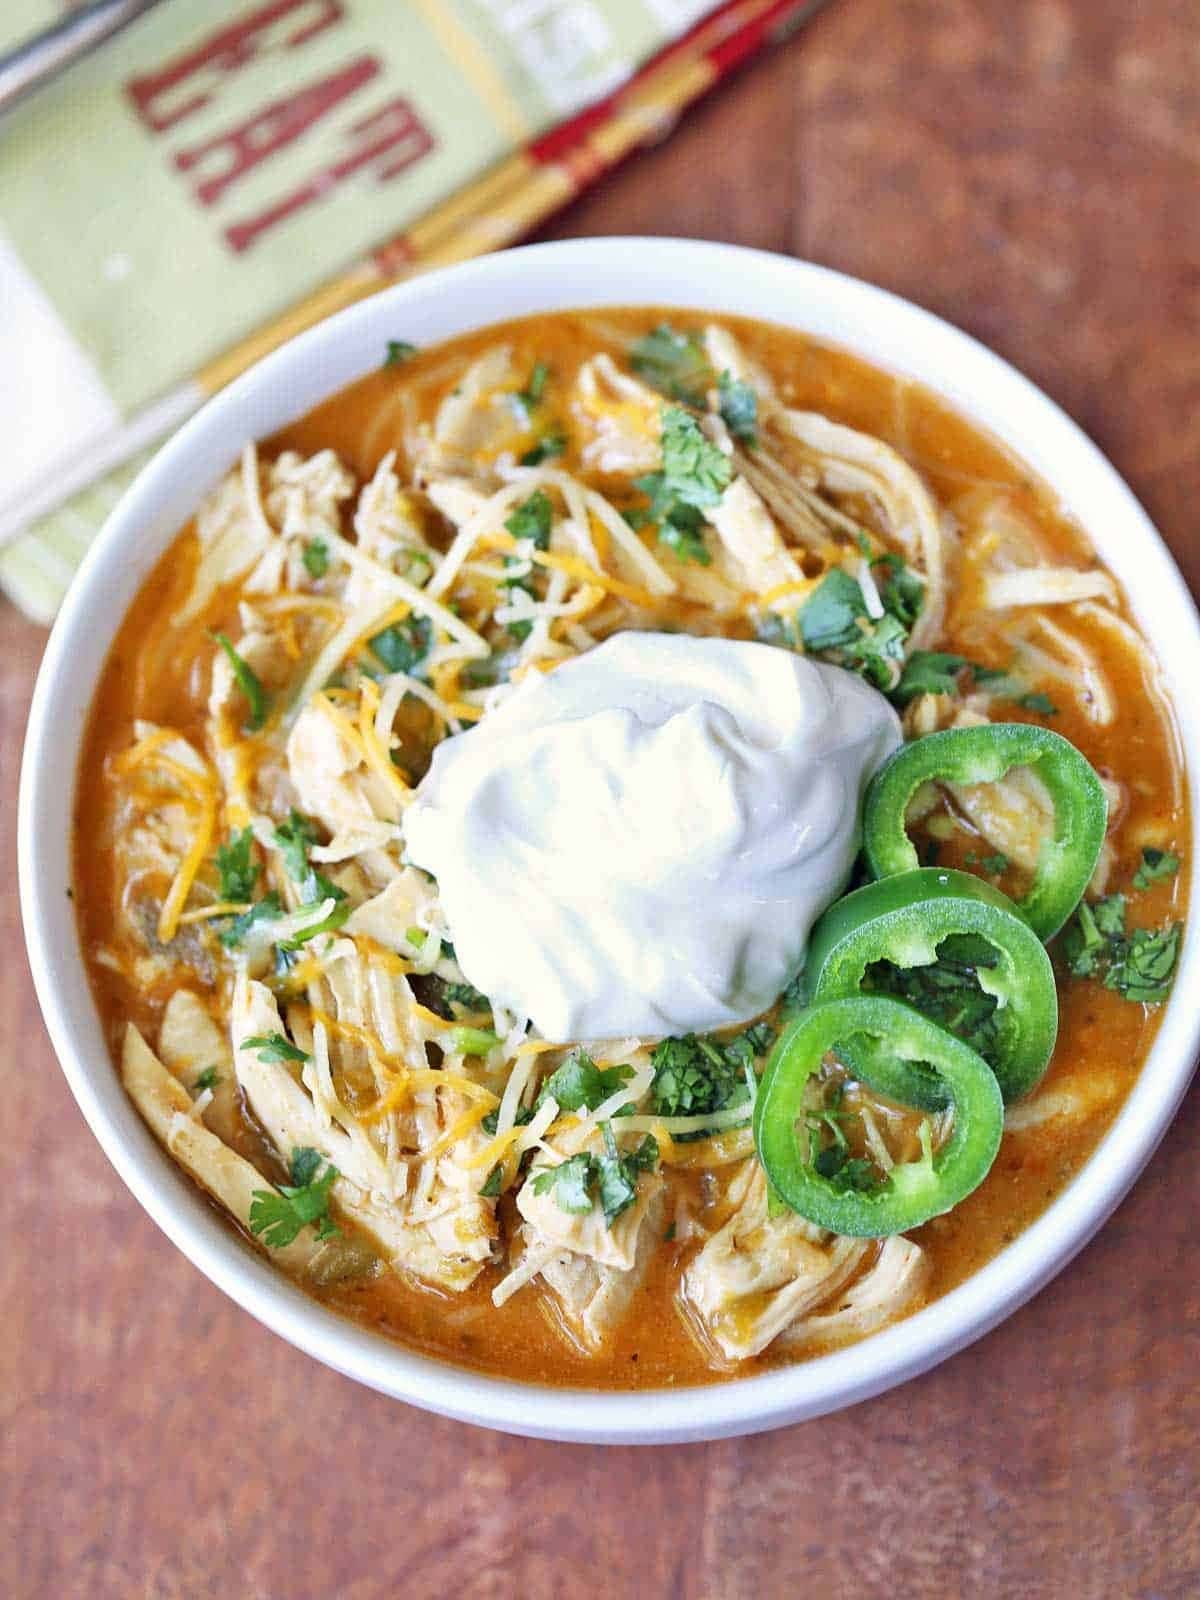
(215, 179)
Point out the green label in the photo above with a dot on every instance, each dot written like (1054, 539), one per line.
(201, 172)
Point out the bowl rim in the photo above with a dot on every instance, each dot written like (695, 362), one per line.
(675, 273)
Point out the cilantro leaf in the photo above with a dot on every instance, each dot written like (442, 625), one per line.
(901, 591)
(491, 1122)
(277, 1215)
(493, 1182)
(398, 352)
(829, 617)
(739, 408)
(315, 888)
(268, 909)
(696, 471)
(617, 1174)
(695, 474)
(551, 444)
(316, 558)
(1039, 703)
(1145, 967)
(578, 1083)
(693, 1076)
(680, 526)
(208, 1079)
(1139, 966)
(403, 645)
(570, 1183)
(834, 618)
(533, 519)
(294, 838)
(878, 651)
(532, 393)
(612, 1177)
(673, 363)
(929, 672)
(1155, 864)
(462, 994)
(274, 1047)
(248, 682)
(237, 868)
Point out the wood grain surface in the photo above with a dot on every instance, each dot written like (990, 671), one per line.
(1028, 169)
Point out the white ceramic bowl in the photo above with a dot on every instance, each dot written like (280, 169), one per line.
(592, 272)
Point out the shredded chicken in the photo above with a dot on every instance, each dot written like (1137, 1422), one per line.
(619, 416)
(894, 1286)
(759, 1274)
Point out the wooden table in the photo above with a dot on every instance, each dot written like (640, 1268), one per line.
(1027, 168)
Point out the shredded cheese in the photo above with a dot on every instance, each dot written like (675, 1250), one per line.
(172, 906)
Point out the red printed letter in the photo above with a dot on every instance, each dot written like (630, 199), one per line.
(394, 131)
(223, 53)
(242, 148)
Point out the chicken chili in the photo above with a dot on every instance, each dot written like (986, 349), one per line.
(628, 848)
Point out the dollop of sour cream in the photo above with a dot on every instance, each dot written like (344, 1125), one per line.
(640, 841)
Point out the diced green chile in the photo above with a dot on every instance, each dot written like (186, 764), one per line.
(984, 754)
(903, 920)
(912, 1192)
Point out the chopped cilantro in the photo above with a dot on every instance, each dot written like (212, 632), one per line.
(695, 470)
(680, 526)
(673, 363)
(315, 888)
(694, 476)
(248, 682)
(532, 393)
(739, 408)
(829, 1153)
(947, 990)
(208, 1079)
(294, 838)
(316, 558)
(1146, 966)
(829, 617)
(274, 1047)
(403, 645)
(493, 1182)
(237, 869)
(533, 519)
(929, 672)
(398, 352)
(834, 618)
(492, 1121)
(612, 1177)
(1138, 965)
(268, 909)
(1039, 703)
(901, 590)
(693, 1076)
(1155, 864)
(551, 444)
(996, 865)
(464, 995)
(277, 1215)
(569, 1182)
(578, 1083)
(617, 1174)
